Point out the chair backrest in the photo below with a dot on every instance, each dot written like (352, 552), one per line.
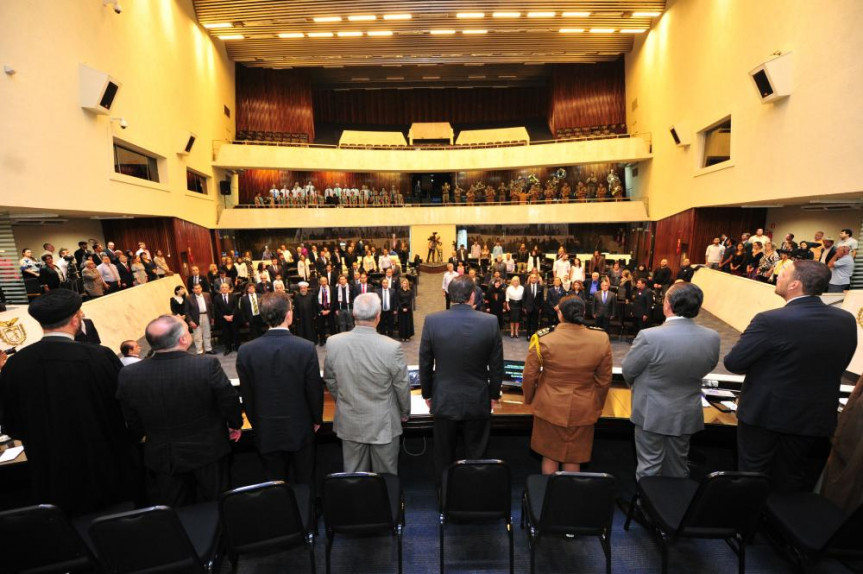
(262, 516)
(726, 503)
(38, 537)
(142, 540)
(477, 490)
(578, 503)
(356, 502)
(846, 540)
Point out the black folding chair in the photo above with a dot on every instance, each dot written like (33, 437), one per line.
(39, 539)
(363, 503)
(159, 539)
(476, 491)
(725, 505)
(267, 517)
(568, 503)
(811, 526)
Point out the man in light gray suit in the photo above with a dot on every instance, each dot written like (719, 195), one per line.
(366, 374)
(665, 367)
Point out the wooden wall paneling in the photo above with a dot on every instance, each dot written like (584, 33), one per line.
(194, 246)
(673, 235)
(253, 181)
(274, 100)
(156, 232)
(584, 95)
(712, 222)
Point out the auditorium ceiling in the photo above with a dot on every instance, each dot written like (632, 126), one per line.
(441, 39)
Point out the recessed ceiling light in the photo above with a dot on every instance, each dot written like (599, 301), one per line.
(633, 30)
(362, 18)
(474, 31)
(601, 30)
(327, 19)
(571, 30)
(359, 79)
(397, 16)
(320, 34)
(507, 14)
(507, 77)
(541, 14)
(349, 34)
(431, 77)
(441, 32)
(476, 77)
(231, 37)
(645, 14)
(575, 14)
(468, 15)
(292, 35)
(218, 25)
(380, 33)
(395, 77)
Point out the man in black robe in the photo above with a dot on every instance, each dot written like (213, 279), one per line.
(58, 397)
(305, 313)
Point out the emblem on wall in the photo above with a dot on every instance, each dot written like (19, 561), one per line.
(860, 317)
(12, 333)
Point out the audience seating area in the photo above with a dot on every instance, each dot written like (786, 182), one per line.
(271, 138)
(591, 131)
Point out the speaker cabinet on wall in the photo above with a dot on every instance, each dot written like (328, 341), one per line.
(225, 187)
(772, 79)
(681, 135)
(187, 142)
(96, 90)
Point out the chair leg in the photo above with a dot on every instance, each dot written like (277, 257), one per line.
(605, 540)
(330, 536)
(441, 544)
(311, 542)
(511, 553)
(631, 510)
(399, 536)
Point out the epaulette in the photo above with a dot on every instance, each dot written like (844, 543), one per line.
(595, 328)
(534, 342)
(544, 332)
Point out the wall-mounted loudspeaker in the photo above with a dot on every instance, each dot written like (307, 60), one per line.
(772, 79)
(187, 142)
(96, 90)
(225, 187)
(681, 135)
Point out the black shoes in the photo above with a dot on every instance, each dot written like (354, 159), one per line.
(211, 352)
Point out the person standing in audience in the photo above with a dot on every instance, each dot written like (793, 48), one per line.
(604, 306)
(567, 374)
(187, 409)
(662, 277)
(250, 311)
(686, 271)
(555, 293)
(50, 275)
(161, 264)
(496, 296)
(714, 254)
(737, 260)
(110, 275)
(389, 308)
(642, 305)
(534, 297)
(138, 271)
(754, 259)
(199, 314)
(597, 263)
(305, 313)
(344, 305)
(460, 376)
(563, 269)
(227, 318)
(759, 236)
(283, 394)
(665, 367)
(787, 408)
(448, 276)
(405, 301)
(179, 302)
(783, 261)
(58, 399)
(766, 263)
(371, 402)
(829, 251)
(94, 285)
(514, 296)
(841, 268)
(130, 352)
(326, 324)
(212, 276)
(127, 278)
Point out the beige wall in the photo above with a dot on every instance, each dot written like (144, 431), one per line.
(692, 68)
(804, 224)
(54, 155)
(66, 235)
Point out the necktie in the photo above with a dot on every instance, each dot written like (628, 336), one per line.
(325, 297)
(603, 296)
(226, 299)
(386, 299)
(254, 305)
(364, 288)
(196, 279)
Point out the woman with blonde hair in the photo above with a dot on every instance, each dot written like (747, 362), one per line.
(514, 295)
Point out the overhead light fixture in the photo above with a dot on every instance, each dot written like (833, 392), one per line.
(292, 35)
(601, 30)
(349, 34)
(395, 77)
(359, 79)
(541, 14)
(474, 31)
(321, 19)
(441, 32)
(380, 33)
(431, 77)
(470, 15)
(320, 34)
(571, 30)
(397, 16)
(507, 77)
(476, 77)
(575, 14)
(218, 25)
(362, 18)
(506, 14)
(645, 14)
(633, 30)
(231, 37)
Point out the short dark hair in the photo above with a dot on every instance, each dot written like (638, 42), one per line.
(47, 256)
(126, 347)
(167, 339)
(274, 308)
(813, 275)
(460, 289)
(572, 309)
(847, 231)
(178, 288)
(685, 299)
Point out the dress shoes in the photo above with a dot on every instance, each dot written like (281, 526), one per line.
(211, 352)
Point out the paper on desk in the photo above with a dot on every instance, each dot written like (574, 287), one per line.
(704, 402)
(718, 393)
(11, 453)
(729, 405)
(846, 388)
(418, 406)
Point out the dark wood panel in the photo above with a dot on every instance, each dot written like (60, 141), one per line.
(194, 246)
(584, 95)
(274, 100)
(672, 239)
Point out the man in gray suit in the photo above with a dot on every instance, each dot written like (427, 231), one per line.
(665, 367)
(366, 374)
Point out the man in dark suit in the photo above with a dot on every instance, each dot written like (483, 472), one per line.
(88, 333)
(283, 394)
(605, 306)
(326, 318)
(389, 308)
(552, 298)
(662, 277)
(462, 255)
(332, 276)
(363, 287)
(265, 285)
(227, 318)
(250, 311)
(275, 268)
(478, 293)
(686, 271)
(344, 303)
(194, 279)
(189, 412)
(642, 305)
(460, 376)
(534, 298)
(127, 278)
(793, 358)
(58, 400)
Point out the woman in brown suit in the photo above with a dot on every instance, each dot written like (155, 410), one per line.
(566, 377)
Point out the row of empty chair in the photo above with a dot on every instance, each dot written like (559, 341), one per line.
(273, 516)
(272, 137)
(434, 146)
(591, 131)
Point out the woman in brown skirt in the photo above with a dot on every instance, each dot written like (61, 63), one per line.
(566, 378)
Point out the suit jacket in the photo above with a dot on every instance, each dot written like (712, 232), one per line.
(264, 287)
(662, 276)
(531, 303)
(607, 309)
(274, 270)
(392, 298)
(359, 291)
(367, 376)
(193, 312)
(555, 294)
(245, 308)
(88, 333)
(332, 278)
(184, 405)
(462, 255)
(794, 358)
(282, 390)
(664, 367)
(461, 363)
(330, 302)
(190, 282)
(571, 387)
(127, 278)
(221, 309)
(642, 303)
(596, 264)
